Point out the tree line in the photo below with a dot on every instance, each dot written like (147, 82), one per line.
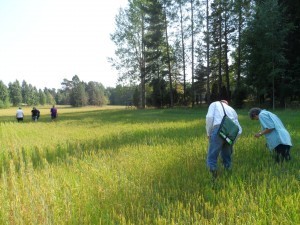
(184, 52)
(73, 92)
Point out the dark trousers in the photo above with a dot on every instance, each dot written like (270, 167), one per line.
(282, 153)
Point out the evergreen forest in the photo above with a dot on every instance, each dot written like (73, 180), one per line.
(185, 52)
(189, 52)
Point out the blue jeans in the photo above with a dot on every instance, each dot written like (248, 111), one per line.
(216, 146)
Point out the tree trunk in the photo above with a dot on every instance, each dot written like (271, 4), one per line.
(143, 71)
(239, 48)
(220, 58)
(183, 54)
(169, 61)
(207, 55)
(192, 20)
(226, 56)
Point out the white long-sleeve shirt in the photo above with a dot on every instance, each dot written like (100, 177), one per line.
(215, 115)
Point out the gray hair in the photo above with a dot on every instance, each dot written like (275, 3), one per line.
(254, 112)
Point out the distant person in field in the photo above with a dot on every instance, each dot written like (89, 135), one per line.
(35, 114)
(277, 137)
(217, 145)
(53, 111)
(20, 114)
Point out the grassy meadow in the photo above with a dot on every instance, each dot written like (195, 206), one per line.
(111, 165)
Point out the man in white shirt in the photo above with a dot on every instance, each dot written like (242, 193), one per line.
(217, 145)
(20, 114)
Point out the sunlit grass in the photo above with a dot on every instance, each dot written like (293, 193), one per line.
(121, 166)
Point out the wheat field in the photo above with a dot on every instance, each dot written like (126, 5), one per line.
(112, 165)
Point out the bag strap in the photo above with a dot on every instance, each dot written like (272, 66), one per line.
(223, 109)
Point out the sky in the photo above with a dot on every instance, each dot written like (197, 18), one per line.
(45, 41)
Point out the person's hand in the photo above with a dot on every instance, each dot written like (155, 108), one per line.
(257, 135)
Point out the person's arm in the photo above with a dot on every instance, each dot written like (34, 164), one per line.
(267, 124)
(266, 131)
(210, 119)
(209, 125)
(236, 121)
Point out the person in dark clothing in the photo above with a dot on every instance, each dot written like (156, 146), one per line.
(35, 114)
(53, 111)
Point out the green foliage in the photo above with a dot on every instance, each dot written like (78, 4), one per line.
(4, 96)
(135, 97)
(215, 95)
(159, 93)
(239, 95)
(96, 94)
(119, 166)
(42, 97)
(266, 39)
(74, 92)
(156, 38)
(15, 93)
(124, 95)
(4, 104)
(128, 37)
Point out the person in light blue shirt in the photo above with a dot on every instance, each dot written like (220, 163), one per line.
(277, 137)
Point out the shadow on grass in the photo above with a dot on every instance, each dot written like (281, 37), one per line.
(133, 116)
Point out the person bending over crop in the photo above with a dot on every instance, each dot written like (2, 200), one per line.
(277, 137)
(217, 145)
